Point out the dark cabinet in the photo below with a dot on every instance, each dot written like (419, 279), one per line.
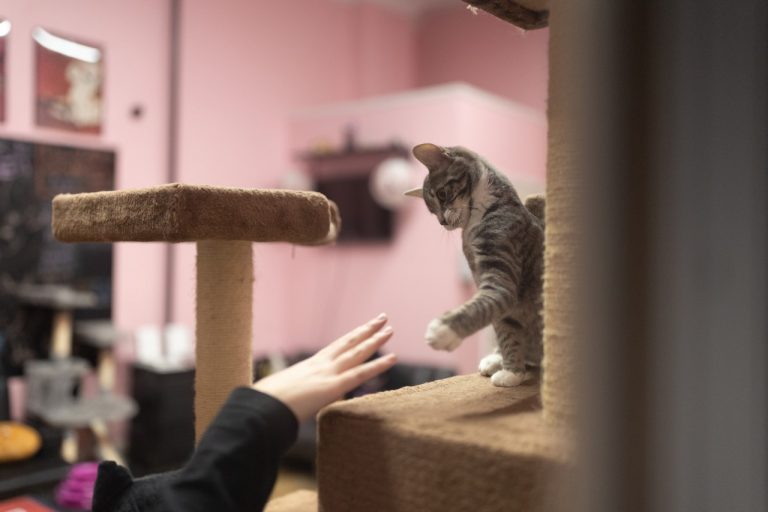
(162, 434)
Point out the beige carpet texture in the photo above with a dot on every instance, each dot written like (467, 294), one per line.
(299, 501)
(224, 319)
(561, 239)
(455, 444)
(185, 213)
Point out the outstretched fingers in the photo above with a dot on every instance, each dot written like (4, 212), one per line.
(363, 350)
(354, 377)
(354, 337)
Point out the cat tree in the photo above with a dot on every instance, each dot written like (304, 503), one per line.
(223, 222)
(462, 444)
(456, 444)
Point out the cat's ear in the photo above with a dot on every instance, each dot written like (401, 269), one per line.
(415, 192)
(431, 155)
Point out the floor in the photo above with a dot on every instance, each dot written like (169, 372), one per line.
(290, 480)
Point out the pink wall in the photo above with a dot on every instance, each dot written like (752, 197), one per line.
(134, 36)
(455, 45)
(415, 277)
(245, 65)
(385, 50)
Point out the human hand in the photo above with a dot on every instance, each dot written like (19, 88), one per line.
(313, 383)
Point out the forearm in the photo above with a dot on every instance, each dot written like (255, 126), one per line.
(235, 464)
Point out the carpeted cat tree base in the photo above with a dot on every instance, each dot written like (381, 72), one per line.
(223, 222)
(461, 444)
(457, 444)
(454, 444)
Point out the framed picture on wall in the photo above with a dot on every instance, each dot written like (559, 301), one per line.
(5, 29)
(68, 82)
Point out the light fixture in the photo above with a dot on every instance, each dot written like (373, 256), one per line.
(390, 180)
(66, 47)
(5, 28)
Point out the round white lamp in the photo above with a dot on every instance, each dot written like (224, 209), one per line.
(390, 180)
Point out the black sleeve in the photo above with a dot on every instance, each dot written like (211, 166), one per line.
(235, 465)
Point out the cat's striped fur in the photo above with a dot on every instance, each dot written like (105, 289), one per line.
(503, 241)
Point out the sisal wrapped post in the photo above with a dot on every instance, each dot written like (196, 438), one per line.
(223, 331)
(561, 234)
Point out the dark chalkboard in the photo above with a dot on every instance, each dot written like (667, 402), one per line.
(31, 174)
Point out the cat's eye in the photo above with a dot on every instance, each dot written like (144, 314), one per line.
(442, 194)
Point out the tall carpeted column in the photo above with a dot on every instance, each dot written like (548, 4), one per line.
(561, 233)
(223, 331)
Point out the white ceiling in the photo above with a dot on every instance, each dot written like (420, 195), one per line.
(412, 7)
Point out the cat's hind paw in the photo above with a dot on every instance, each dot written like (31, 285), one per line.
(507, 379)
(490, 364)
(441, 337)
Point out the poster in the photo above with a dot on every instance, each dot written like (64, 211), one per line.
(68, 82)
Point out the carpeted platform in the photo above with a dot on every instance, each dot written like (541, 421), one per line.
(526, 14)
(456, 444)
(185, 213)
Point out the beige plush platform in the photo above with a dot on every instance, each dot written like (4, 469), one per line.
(299, 501)
(457, 444)
(183, 213)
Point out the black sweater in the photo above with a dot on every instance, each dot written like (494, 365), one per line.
(233, 468)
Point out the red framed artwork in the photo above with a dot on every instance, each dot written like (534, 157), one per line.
(68, 81)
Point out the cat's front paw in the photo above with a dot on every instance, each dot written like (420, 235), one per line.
(507, 379)
(490, 364)
(441, 337)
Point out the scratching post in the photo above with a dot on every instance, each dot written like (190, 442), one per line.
(223, 222)
(562, 196)
(461, 443)
(223, 331)
(561, 238)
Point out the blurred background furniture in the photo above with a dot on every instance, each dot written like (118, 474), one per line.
(38, 474)
(162, 434)
(62, 301)
(52, 397)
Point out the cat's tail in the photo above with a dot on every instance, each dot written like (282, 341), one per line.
(535, 205)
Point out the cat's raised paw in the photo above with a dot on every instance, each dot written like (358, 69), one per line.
(490, 364)
(441, 337)
(507, 379)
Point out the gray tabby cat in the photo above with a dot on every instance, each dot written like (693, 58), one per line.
(503, 241)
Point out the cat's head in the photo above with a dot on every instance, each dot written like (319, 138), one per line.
(447, 189)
